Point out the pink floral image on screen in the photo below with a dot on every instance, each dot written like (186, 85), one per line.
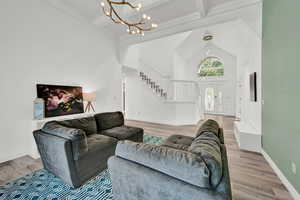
(61, 100)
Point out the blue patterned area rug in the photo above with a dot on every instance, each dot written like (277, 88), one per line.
(42, 185)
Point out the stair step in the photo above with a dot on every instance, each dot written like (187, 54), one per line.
(156, 88)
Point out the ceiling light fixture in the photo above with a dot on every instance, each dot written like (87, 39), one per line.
(207, 37)
(144, 24)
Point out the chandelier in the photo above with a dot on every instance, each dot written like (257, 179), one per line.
(139, 27)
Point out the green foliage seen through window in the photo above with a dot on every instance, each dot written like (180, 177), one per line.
(211, 66)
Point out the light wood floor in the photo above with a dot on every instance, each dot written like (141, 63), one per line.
(251, 176)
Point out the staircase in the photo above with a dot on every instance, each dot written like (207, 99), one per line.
(157, 89)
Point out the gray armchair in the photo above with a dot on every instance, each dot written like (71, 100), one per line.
(179, 169)
(77, 150)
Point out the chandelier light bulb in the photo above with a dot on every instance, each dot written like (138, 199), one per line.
(107, 13)
(102, 4)
(138, 7)
(154, 25)
(149, 18)
(128, 30)
(144, 16)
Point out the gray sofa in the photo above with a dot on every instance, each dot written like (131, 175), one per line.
(182, 168)
(77, 150)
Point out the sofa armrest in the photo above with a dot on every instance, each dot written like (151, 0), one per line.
(77, 137)
(179, 164)
(57, 156)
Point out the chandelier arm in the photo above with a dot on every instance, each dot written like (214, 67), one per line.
(121, 21)
(124, 22)
(112, 14)
(123, 3)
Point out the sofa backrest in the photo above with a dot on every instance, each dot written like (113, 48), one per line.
(179, 164)
(87, 124)
(109, 120)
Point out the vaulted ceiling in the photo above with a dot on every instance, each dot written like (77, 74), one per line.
(162, 11)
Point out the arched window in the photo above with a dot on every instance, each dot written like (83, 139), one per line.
(211, 66)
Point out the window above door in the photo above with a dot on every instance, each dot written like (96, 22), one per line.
(211, 66)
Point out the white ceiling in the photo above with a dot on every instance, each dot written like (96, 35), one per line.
(225, 37)
(90, 9)
(161, 11)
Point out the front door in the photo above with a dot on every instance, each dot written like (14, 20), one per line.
(218, 97)
(213, 100)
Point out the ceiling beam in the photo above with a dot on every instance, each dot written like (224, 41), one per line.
(202, 6)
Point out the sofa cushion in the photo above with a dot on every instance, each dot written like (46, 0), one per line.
(123, 132)
(179, 164)
(76, 136)
(208, 126)
(109, 120)
(87, 124)
(178, 142)
(98, 143)
(207, 146)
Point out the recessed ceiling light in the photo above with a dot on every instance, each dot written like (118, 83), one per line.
(207, 36)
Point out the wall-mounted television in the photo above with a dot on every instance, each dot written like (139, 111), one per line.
(61, 100)
(253, 87)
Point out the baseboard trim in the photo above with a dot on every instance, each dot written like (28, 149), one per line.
(281, 176)
(13, 157)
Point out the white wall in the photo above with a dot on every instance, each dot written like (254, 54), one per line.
(40, 44)
(131, 57)
(249, 61)
(159, 53)
(180, 71)
(142, 104)
(157, 59)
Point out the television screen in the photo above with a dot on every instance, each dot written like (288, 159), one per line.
(253, 87)
(61, 100)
